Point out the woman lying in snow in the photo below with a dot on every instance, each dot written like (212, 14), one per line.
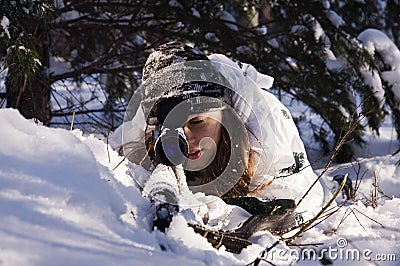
(232, 139)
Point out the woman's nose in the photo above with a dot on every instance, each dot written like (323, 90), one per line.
(189, 135)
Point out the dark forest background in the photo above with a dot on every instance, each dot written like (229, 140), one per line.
(84, 57)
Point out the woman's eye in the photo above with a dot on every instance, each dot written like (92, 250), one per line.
(194, 122)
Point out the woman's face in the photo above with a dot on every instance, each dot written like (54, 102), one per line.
(203, 133)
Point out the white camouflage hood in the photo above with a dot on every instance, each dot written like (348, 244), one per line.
(271, 130)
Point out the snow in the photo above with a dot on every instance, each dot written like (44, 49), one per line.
(375, 41)
(66, 198)
(211, 37)
(59, 66)
(336, 20)
(228, 19)
(195, 12)
(318, 31)
(373, 80)
(5, 23)
(61, 203)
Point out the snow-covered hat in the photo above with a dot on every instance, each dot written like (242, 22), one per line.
(175, 69)
(169, 54)
(175, 73)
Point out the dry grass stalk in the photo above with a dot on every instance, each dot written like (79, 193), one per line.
(119, 164)
(374, 192)
(72, 122)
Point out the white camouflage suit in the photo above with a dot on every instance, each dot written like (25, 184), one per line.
(283, 162)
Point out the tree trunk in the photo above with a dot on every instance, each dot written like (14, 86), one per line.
(31, 98)
(27, 92)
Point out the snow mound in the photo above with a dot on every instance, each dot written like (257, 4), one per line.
(61, 203)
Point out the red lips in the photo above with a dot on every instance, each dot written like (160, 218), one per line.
(194, 155)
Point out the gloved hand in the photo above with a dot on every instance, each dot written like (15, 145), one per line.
(162, 186)
(167, 185)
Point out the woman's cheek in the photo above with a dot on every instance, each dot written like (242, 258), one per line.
(208, 143)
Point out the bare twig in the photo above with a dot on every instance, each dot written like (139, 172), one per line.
(305, 245)
(358, 178)
(374, 191)
(352, 211)
(322, 218)
(309, 223)
(345, 215)
(87, 112)
(108, 151)
(370, 218)
(383, 193)
(336, 150)
(261, 257)
(72, 121)
(119, 164)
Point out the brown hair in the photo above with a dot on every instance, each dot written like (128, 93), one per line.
(244, 160)
(236, 146)
(245, 157)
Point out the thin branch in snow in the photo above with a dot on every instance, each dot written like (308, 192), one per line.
(352, 211)
(108, 150)
(72, 121)
(323, 210)
(370, 218)
(261, 257)
(374, 191)
(354, 122)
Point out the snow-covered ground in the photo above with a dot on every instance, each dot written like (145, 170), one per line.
(61, 203)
